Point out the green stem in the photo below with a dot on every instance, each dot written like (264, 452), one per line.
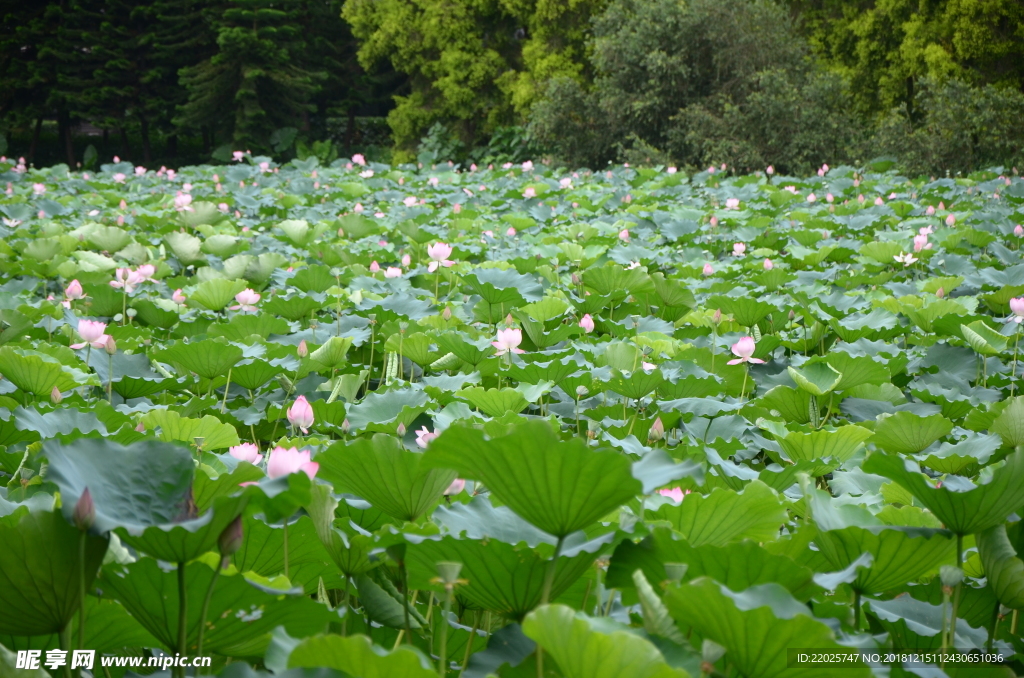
(549, 576)
(994, 627)
(956, 592)
(442, 659)
(1013, 372)
(348, 610)
(227, 387)
(743, 390)
(65, 644)
(81, 587)
(182, 614)
(472, 637)
(205, 609)
(856, 610)
(405, 599)
(110, 379)
(286, 549)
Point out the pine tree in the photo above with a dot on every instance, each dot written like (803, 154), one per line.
(253, 76)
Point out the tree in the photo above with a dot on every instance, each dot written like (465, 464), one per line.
(251, 86)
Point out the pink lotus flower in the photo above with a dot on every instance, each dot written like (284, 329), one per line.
(732, 203)
(286, 461)
(247, 300)
(238, 156)
(510, 232)
(530, 192)
(812, 198)
(456, 208)
(127, 280)
(424, 436)
(178, 297)
(246, 452)
(930, 211)
(1017, 308)
(1018, 231)
(74, 290)
(528, 165)
(921, 243)
(648, 366)
(676, 494)
(768, 265)
(905, 259)
(410, 201)
(39, 189)
(119, 178)
(587, 323)
(565, 182)
(140, 170)
(739, 249)
(860, 198)
(951, 220)
(145, 272)
(183, 202)
(925, 230)
(92, 332)
(829, 198)
(458, 485)
(671, 170)
(406, 260)
(264, 166)
(393, 272)
(359, 159)
(708, 269)
(879, 201)
(508, 341)
(624, 235)
(439, 253)
(713, 221)
(770, 171)
(374, 267)
(300, 414)
(744, 350)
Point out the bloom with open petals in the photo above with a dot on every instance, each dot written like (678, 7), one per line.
(508, 341)
(92, 332)
(247, 300)
(439, 253)
(178, 297)
(458, 485)
(246, 452)
(424, 436)
(300, 414)
(905, 259)
(392, 272)
(732, 203)
(744, 351)
(738, 249)
(126, 279)
(1017, 308)
(358, 159)
(285, 461)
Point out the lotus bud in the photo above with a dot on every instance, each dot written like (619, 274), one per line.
(55, 396)
(230, 539)
(657, 431)
(940, 293)
(303, 349)
(346, 426)
(85, 511)
(110, 346)
(676, 571)
(401, 429)
(582, 391)
(509, 321)
(792, 315)
(446, 314)
(140, 427)
(717, 317)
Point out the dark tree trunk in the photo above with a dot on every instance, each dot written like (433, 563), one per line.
(206, 139)
(350, 131)
(35, 140)
(172, 146)
(147, 155)
(64, 135)
(126, 148)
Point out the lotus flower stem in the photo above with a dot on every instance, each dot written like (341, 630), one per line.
(348, 610)
(182, 615)
(442, 660)
(472, 637)
(856, 610)
(227, 387)
(1013, 371)
(994, 628)
(65, 644)
(1013, 623)
(81, 587)
(743, 390)
(956, 592)
(549, 576)
(110, 378)
(205, 610)
(405, 599)
(286, 549)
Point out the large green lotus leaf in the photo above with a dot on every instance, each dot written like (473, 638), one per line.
(983, 338)
(1003, 567)
(217, 293)
(816, 378)
(909, 433)
(382, 607)
(656, 468)
(584, 649)
(280, 498)
(201, 212)
(216, 434)
(974, 450)
(1009, 425)
(244, 325)
(856, 370)
(294, 307)
(657, 620)
(358, 656)
(505, 288)
(501, 578)
(745, 310)
(726, 516)
(349, 549)
(185, 540)
(209, 359)
(383, 412)
(109, 238)
(187, 248)
(916, 624)
(38, 373)
(839, 444)
(494, 402)
(613, 279)
(792, 404)
(223, 245)
(39, 570)
(898, 554)
(636, 384)
(253, 373)
(241, 617)
(964, 511)
(332, 354)
(314, 278)
(559, 486)
(386, 474)
(135, 486)
(472, 352)
(738, 566)
(757, 627)
(207, 486)
(108, 628)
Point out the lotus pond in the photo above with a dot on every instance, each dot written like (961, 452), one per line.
(363, 420)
